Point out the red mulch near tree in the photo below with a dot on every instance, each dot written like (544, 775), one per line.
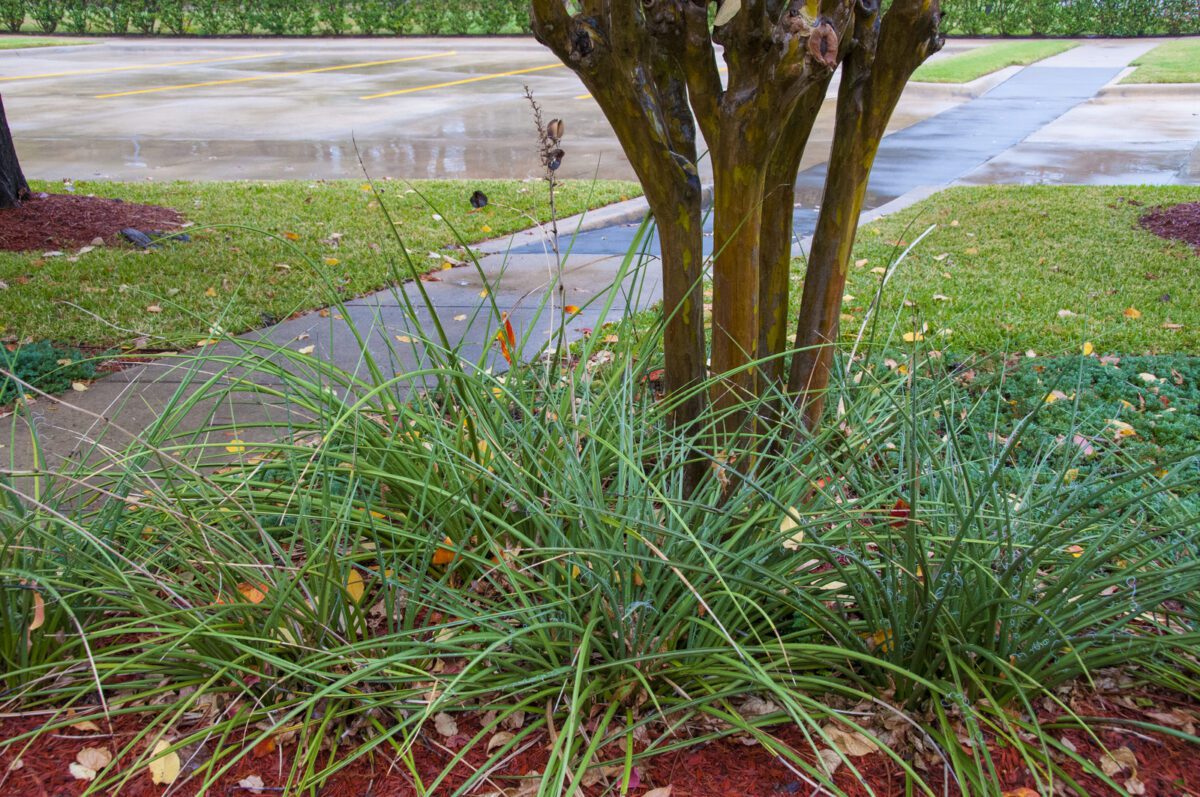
(1177, 223)
(62, 221)
(1167, 766)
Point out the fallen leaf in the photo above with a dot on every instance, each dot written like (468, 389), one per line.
(499, 739)
(236, 447)
(1135, 786)
(485, 229)
(1065, 314)
(252, 593)
(403, 339)
(332, 261)
(1088, 348)
(445, 724)
(1169, 325)
(1075, 550)
(80, 772)
(851, 743)
(570, 309)
(211, 293)
(164, 769)
(913, 337)
(880, 270)
(154, 308)
(79, 387)
(790, 527)
(1133, 313)
(829, 760)
(971, 250)
(253, 784)
(307, 349)
(1119, 760)
(1123, 429)
(94, 758)
(39, 612)
(444, 555)
(941, 257)
(87, 726)
(291, 236)
(938, 297)
(460, 317)
(1021, 792)
(662, 791)
(1148, 378)
(861, 263)
(355, 586)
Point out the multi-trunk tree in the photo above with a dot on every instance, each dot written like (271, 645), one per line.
(13, 188)
(654, 68)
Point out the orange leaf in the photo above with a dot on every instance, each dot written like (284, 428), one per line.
(504, 346)
(252, 593)
(570, 309)
(1133, 313)
(901, 512)
(1021, 792)
(444, 555)
(508, 330)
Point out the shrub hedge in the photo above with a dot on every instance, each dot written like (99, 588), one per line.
(325, 17)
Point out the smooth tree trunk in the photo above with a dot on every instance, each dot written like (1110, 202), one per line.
(13, 188)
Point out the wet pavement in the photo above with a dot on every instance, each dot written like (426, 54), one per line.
(286, 108)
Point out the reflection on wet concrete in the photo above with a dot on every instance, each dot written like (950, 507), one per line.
(1072, 164)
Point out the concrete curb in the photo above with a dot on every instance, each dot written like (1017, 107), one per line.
(970, 90)
(1146, 91)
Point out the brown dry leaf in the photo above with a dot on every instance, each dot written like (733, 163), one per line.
(514, 721)
(500, 739)
(253, 784)
(87, 726)
(663, 791)
(164, 769)
(16, 764)
(829, 760)
(1119, 760)
(1169, 325)
(1135, 786)
(96, 758)
(39, 611)
(445, 724)
(154, 308)
(1021, 792)
(851, 743)
(755, 706)
(80, 772)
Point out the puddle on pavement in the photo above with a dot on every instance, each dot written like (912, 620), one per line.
(1049, 163)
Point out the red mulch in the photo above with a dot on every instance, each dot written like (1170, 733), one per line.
(1177, 223)
(1166, 765)
(62, 221)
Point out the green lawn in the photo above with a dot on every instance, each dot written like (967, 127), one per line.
(242, 278)
(21, 42)
(984, 60)
(1005, 263)
(1174, 62)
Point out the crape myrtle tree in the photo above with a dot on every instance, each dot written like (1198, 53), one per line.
(652, 65)
(13, 188)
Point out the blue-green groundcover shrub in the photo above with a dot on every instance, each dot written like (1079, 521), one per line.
(44, 366)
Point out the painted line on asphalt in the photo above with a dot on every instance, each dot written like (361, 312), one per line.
(106, 70)
(251, 78)
(462, 82)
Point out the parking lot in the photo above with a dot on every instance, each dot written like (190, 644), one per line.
(278, 108)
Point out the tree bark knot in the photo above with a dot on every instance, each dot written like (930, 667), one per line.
(823, 44)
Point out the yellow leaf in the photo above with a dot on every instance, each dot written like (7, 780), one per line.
(307, 349)
(1075, 550)
(79, 387)
(332, 261)
(790, 527)
(485, 228)
(291, 236)
(483, 294)
(365, 187)
(355, 586)
(236, 447)
(1071, 475)
(206, 342)
(1133, 313)
(1088, 348)
(913, 337)
(211, 293)
(879, 270)
(164, 769)
(1123, 429)
(403, 339)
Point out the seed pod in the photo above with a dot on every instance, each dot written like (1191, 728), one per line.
(555, 129)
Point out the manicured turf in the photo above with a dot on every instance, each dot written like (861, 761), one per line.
(1042, 268)
(1174, 62)
(240, 279)
(21, 42)
(984, 60)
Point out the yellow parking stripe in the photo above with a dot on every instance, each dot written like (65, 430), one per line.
(251, 78)
(105, 70)
(461, 82)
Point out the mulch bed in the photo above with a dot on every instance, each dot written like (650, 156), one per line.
(63, 221)
(728, 768)
(1176, 223)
